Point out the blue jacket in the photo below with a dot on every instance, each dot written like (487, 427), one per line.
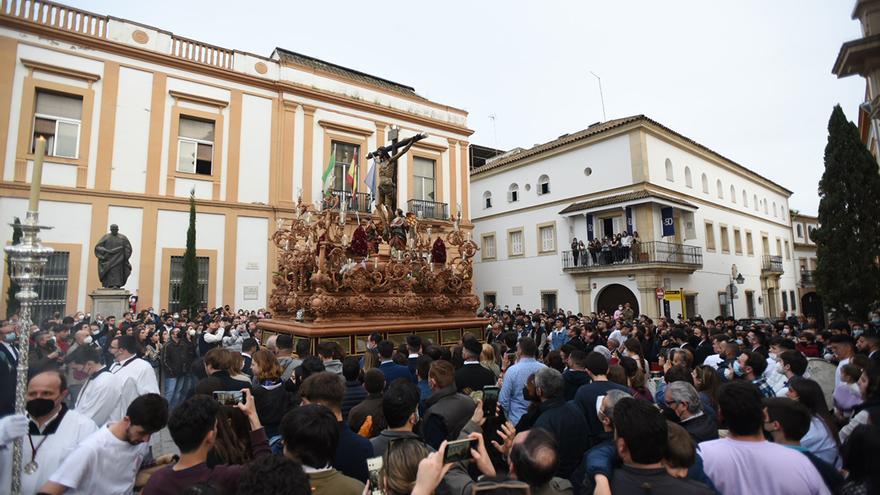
(393, 371)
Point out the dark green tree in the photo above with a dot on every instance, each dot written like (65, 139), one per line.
(12, 304)
(848, 238)
(190, 296)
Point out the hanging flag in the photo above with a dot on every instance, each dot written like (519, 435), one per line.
(589, 227)
(350, 174)
(668, 221)
(629, 220)
(329, 176)
(370, 179)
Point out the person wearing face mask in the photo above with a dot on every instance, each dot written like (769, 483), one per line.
(751, 366)
(8, 364)
(100, 391)
(45, 354)
(134, 375)
(53, 432)
(116, 458)
(790, 364)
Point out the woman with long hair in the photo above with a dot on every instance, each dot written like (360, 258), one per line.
(400, 466)
(371, 360)
(487, 359)
(271, 399)
(821, 439)
(869, 385)
(707, 383)
(633, 348)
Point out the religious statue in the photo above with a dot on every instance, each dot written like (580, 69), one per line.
(398, 231)
(386, 164)
(113, 252)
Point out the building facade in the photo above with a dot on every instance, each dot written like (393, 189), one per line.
(702, 221)
(862, 57)
(136, 118)
(802, 227)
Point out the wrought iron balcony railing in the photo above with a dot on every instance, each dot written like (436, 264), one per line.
(807, 278)
(360, 202)
(772, 264)
(428, 209)
(641, 253)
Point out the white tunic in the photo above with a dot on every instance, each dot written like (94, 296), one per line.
(102, 464)
(98, 397)
(135, 377)
(51, 451)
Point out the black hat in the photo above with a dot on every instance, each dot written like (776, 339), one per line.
(473, 346)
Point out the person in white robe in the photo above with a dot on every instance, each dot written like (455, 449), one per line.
(99, 394)
(134, 376)
(54, 431)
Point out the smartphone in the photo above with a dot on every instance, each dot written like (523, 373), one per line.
(229, 397)
(374, 466)
(459, 450)
(490, 400)
(477, 395)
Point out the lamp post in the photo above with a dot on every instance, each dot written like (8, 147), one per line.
(736, 278)
(27, 260)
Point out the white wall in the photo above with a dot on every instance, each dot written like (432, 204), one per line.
(256, 142)
(57, 215)
(251, 259)
(210, 234)
(132, 132)
(130, 222)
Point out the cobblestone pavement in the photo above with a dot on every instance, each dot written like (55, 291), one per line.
(162, 444)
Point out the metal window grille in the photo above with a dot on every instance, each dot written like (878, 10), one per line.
(176, 278)
(52, 290)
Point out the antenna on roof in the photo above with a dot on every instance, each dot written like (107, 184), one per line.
(494, 131)
(601, 96)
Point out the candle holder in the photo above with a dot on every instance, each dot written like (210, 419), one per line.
(27, 260)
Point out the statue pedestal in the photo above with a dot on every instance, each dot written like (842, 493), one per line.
(110, 302)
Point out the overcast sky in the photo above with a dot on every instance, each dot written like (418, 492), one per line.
(750, 79)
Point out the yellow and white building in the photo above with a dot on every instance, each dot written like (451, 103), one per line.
(137, 117)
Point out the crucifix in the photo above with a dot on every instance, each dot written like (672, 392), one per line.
(386, 162)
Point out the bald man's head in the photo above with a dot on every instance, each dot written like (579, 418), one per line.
(533, 458)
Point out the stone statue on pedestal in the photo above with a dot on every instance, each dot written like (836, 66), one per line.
(113, 252)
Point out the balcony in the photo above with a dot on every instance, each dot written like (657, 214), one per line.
(652, 255)
(360, 202)
(428, 209)
(771, 265)
(807, 278)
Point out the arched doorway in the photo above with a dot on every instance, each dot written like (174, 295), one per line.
(811, 305)
(613, 295)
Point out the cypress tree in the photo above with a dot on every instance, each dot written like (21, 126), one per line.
(848, 238)
(12, 304)
(189, 285)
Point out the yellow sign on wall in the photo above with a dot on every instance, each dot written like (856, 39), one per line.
(672, 295)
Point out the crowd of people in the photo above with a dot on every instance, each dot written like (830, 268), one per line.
(624, 247)
(551, 402)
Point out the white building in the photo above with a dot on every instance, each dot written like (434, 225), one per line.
(802, 227)
(137, 117)
(528, 205)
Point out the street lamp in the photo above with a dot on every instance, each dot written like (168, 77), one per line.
(736, 278)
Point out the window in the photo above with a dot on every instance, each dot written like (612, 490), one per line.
(513, 193)
(784, 301)
(765, 206)
(755, 201)
(546, 238)
(787, 250)
(548, 302)
(489, 298)
(723, 304)
(58, 118)
(543, 184)
(423, 179)
(488, 246)
(710, 236)
(733, 194)
(750, 246)
(778, 247)
(669, 174)
(745, 199)
(705, 184)
(725, 240)
(515, 243)
(195, 146)
(688, 178)
(737, 241)
(800, 231)
(487, 199)
(176, 279)
(810, 231)
(793, 303)
(345, 158)
(782, 212)
(720, 189)
(775, 213)
(52, 289)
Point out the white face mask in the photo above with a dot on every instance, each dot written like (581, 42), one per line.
(780, 368)
(87, 340)
(191, 332)
(773, 355)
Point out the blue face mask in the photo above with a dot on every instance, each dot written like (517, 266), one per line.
(737, 369)
(857, 332)
(10, 338)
